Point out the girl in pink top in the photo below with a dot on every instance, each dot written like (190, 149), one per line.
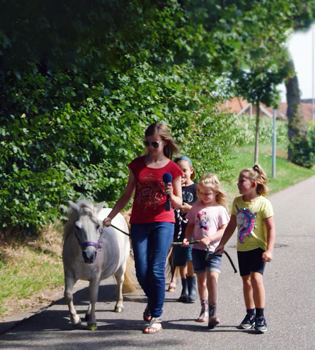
(152, 226)
(207, 220)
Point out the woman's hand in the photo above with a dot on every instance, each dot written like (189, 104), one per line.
(107, 221)
(169, 190)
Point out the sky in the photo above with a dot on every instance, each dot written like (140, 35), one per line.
(300, 47)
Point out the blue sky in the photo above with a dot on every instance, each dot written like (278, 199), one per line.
(300, 47)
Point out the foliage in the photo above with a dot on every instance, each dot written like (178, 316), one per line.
(245, 125)
(81, 149)
(79, 82)
(303, 149)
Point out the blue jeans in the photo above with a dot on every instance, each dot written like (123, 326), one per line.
(150, 244)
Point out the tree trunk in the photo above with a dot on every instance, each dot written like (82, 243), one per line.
(256, 133)
(296, 122)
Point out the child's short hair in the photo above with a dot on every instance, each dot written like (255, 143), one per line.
(185, 158)
(212, 181)
(257, 174)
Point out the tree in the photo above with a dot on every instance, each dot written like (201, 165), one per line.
(297, 125)
(257, 87)
(79, 82)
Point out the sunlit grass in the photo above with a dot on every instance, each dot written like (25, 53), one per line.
(286, 173)
(27, 269)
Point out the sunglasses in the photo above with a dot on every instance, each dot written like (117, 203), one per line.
(154, 144)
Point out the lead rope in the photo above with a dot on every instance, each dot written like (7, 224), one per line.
(181, 220)
(225, 252)
(179, 243)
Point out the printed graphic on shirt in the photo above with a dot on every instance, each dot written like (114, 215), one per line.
(246, 222)
(188, 197)
(203, 220)
(151, 192)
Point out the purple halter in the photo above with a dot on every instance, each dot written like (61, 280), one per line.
(97, 245)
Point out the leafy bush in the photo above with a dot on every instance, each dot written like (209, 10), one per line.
(303, 150)
(68, 137)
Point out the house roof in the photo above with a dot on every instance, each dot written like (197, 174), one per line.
(240, 106)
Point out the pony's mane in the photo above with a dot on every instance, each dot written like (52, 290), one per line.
(85, 208)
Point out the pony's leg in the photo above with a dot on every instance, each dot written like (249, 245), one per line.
(69, 283)
(120, 277)
(90, 314)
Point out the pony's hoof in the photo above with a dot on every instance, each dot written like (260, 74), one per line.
(76, 325)
(76, 322)
(92, 327)
(119, 309)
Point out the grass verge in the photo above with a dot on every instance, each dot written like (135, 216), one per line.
(30, 271)
(286, 174)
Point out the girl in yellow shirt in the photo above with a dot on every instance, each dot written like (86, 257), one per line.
(253, 214)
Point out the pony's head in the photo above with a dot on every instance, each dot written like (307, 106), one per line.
(83, 222)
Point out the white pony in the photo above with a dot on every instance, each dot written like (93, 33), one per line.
(93, 253)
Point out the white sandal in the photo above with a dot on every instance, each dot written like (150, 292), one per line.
(154, 326)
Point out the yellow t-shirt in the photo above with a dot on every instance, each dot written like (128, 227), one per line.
(252, 232)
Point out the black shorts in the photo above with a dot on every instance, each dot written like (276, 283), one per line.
(251, 261)
(181, 255)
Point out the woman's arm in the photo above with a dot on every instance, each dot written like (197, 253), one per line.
(227, 234)
(123, 200)
(271, 238)
(174, 191)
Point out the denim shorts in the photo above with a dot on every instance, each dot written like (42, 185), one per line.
(200, 263)
(251, 261)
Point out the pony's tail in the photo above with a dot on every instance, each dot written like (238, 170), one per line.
(130, 282)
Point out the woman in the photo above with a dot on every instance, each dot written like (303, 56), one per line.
(152, 225)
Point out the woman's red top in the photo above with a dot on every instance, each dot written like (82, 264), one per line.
(149, 199)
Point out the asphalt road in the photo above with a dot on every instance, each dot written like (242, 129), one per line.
(290, 307)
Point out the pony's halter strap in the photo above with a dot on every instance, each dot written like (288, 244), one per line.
(97, 245)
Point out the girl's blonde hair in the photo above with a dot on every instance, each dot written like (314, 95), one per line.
(161, 129)
(257, 174)
(212, 181)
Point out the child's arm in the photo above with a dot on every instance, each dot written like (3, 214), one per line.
(188, 234)
(185, 208)
(271, 237)
(215, 237)
(227, 234)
